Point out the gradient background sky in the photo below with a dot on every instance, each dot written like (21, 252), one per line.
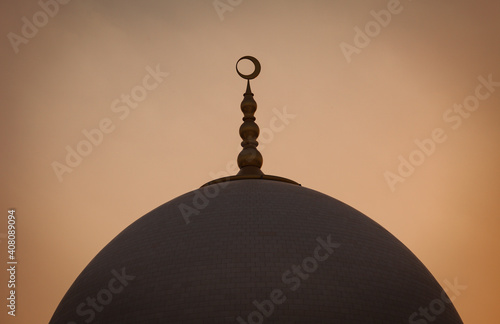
(352, 122)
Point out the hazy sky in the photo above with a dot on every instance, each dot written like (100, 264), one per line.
(392, 107)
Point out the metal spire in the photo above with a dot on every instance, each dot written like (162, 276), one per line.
(249, 160)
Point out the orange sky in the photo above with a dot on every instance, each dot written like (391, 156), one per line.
(352, 115)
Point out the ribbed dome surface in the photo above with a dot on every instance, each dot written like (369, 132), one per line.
(237, 261)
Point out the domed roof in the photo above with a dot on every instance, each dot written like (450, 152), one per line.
(253, 251)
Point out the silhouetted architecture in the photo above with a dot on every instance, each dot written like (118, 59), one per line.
(255, 248)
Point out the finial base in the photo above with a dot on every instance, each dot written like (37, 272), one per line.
(250, 170)
(248, 177)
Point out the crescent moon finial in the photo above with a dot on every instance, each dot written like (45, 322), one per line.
(256, 71)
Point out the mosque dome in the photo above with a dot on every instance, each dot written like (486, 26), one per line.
(255, 248)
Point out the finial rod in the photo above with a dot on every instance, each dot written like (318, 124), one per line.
(249, 160)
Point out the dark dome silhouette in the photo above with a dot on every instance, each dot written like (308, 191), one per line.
(237, 250)
(254, 248)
